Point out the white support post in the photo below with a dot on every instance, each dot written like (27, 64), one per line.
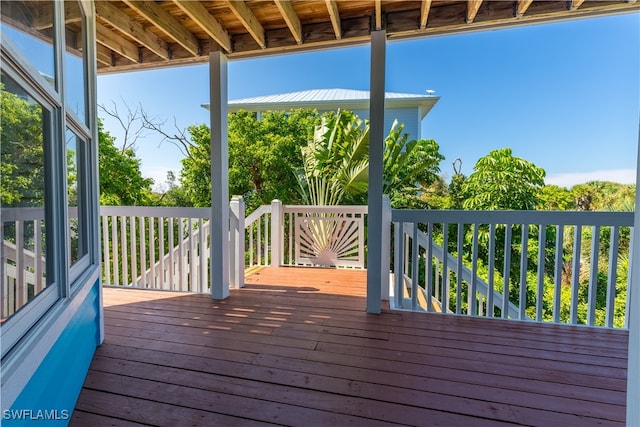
(236, 249)
(376, 146)
(386, 248)
(633, 367)
(219, 261)
(276, 233)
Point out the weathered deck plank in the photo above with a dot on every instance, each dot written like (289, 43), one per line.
(295, 347)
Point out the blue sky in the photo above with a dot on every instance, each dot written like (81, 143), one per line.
(565, 96)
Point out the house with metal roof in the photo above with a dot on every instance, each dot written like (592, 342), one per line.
(408, 108)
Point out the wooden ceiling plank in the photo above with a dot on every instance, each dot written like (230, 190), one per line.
(103, 55)
(522, 7)
(249, 21)
(167, 24)
(378, 6)
(44, 15)
(124, 23)
(291, 18)
(334, 14)
(575, 4)
(425, 7)
(199, 14)
(117, 43)
(472, 9)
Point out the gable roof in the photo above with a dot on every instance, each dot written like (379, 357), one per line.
(331, 99)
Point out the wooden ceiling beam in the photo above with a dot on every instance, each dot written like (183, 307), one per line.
(167, 24)
(199, 14)
(249, 21)
(378, 7)
(575, 4)
(291, 18)
(110, 13)
(425, 7)
(522, 6)
(472, 10)
(334, 14)
(117, 43)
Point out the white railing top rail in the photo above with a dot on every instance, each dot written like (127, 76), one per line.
(620, 219)
(357, 209)
(155, 211)
(255, 215)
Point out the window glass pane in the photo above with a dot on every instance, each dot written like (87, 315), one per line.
(22, 198)
(75, 197)
(29, 25)
(74, 58)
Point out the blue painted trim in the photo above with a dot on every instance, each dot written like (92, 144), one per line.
(51, 394)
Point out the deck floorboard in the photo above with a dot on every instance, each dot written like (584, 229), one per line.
(295, 347)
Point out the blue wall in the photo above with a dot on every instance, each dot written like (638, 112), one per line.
(56, 384)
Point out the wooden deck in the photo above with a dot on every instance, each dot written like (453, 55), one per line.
(295, 347)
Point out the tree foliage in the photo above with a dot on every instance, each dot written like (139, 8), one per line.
(261, 154)
(121, 182)
(22, 151)
(336, 164)
(503, 181)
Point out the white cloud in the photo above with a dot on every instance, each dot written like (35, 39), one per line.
(158, 174)
(568, 180)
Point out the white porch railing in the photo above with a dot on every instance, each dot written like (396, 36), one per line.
(493, 254)
(22, 272)
(156, 247)
(578, 276)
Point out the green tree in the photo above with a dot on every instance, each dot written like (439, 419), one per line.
(22, 155)
(503, 181)
(121, 182)
(555, 198)
(261, 154)
(604, 196)
(336, 164)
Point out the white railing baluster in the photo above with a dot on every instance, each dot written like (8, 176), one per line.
(557, 278)
(593, 276)
(21, 291)
(398, 263)
(143, 252)
(165, 278)
(37, 258)
(114, 247)
(415, 260)
(251, 263)
(428, 283)
(152, 251)
(291, 220)
(171, 271)
(506, 272)
(524, 250)
(201, 257)
(471, 298)
(445, 268)
(123, 250)
(614, 242)
(627, 300)
(106, 253)
(192, 258)
(491, 264)
(460, 250)
(542, 245)
(258, 242)
(181, 257)
(134, 253)
(575, 277)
